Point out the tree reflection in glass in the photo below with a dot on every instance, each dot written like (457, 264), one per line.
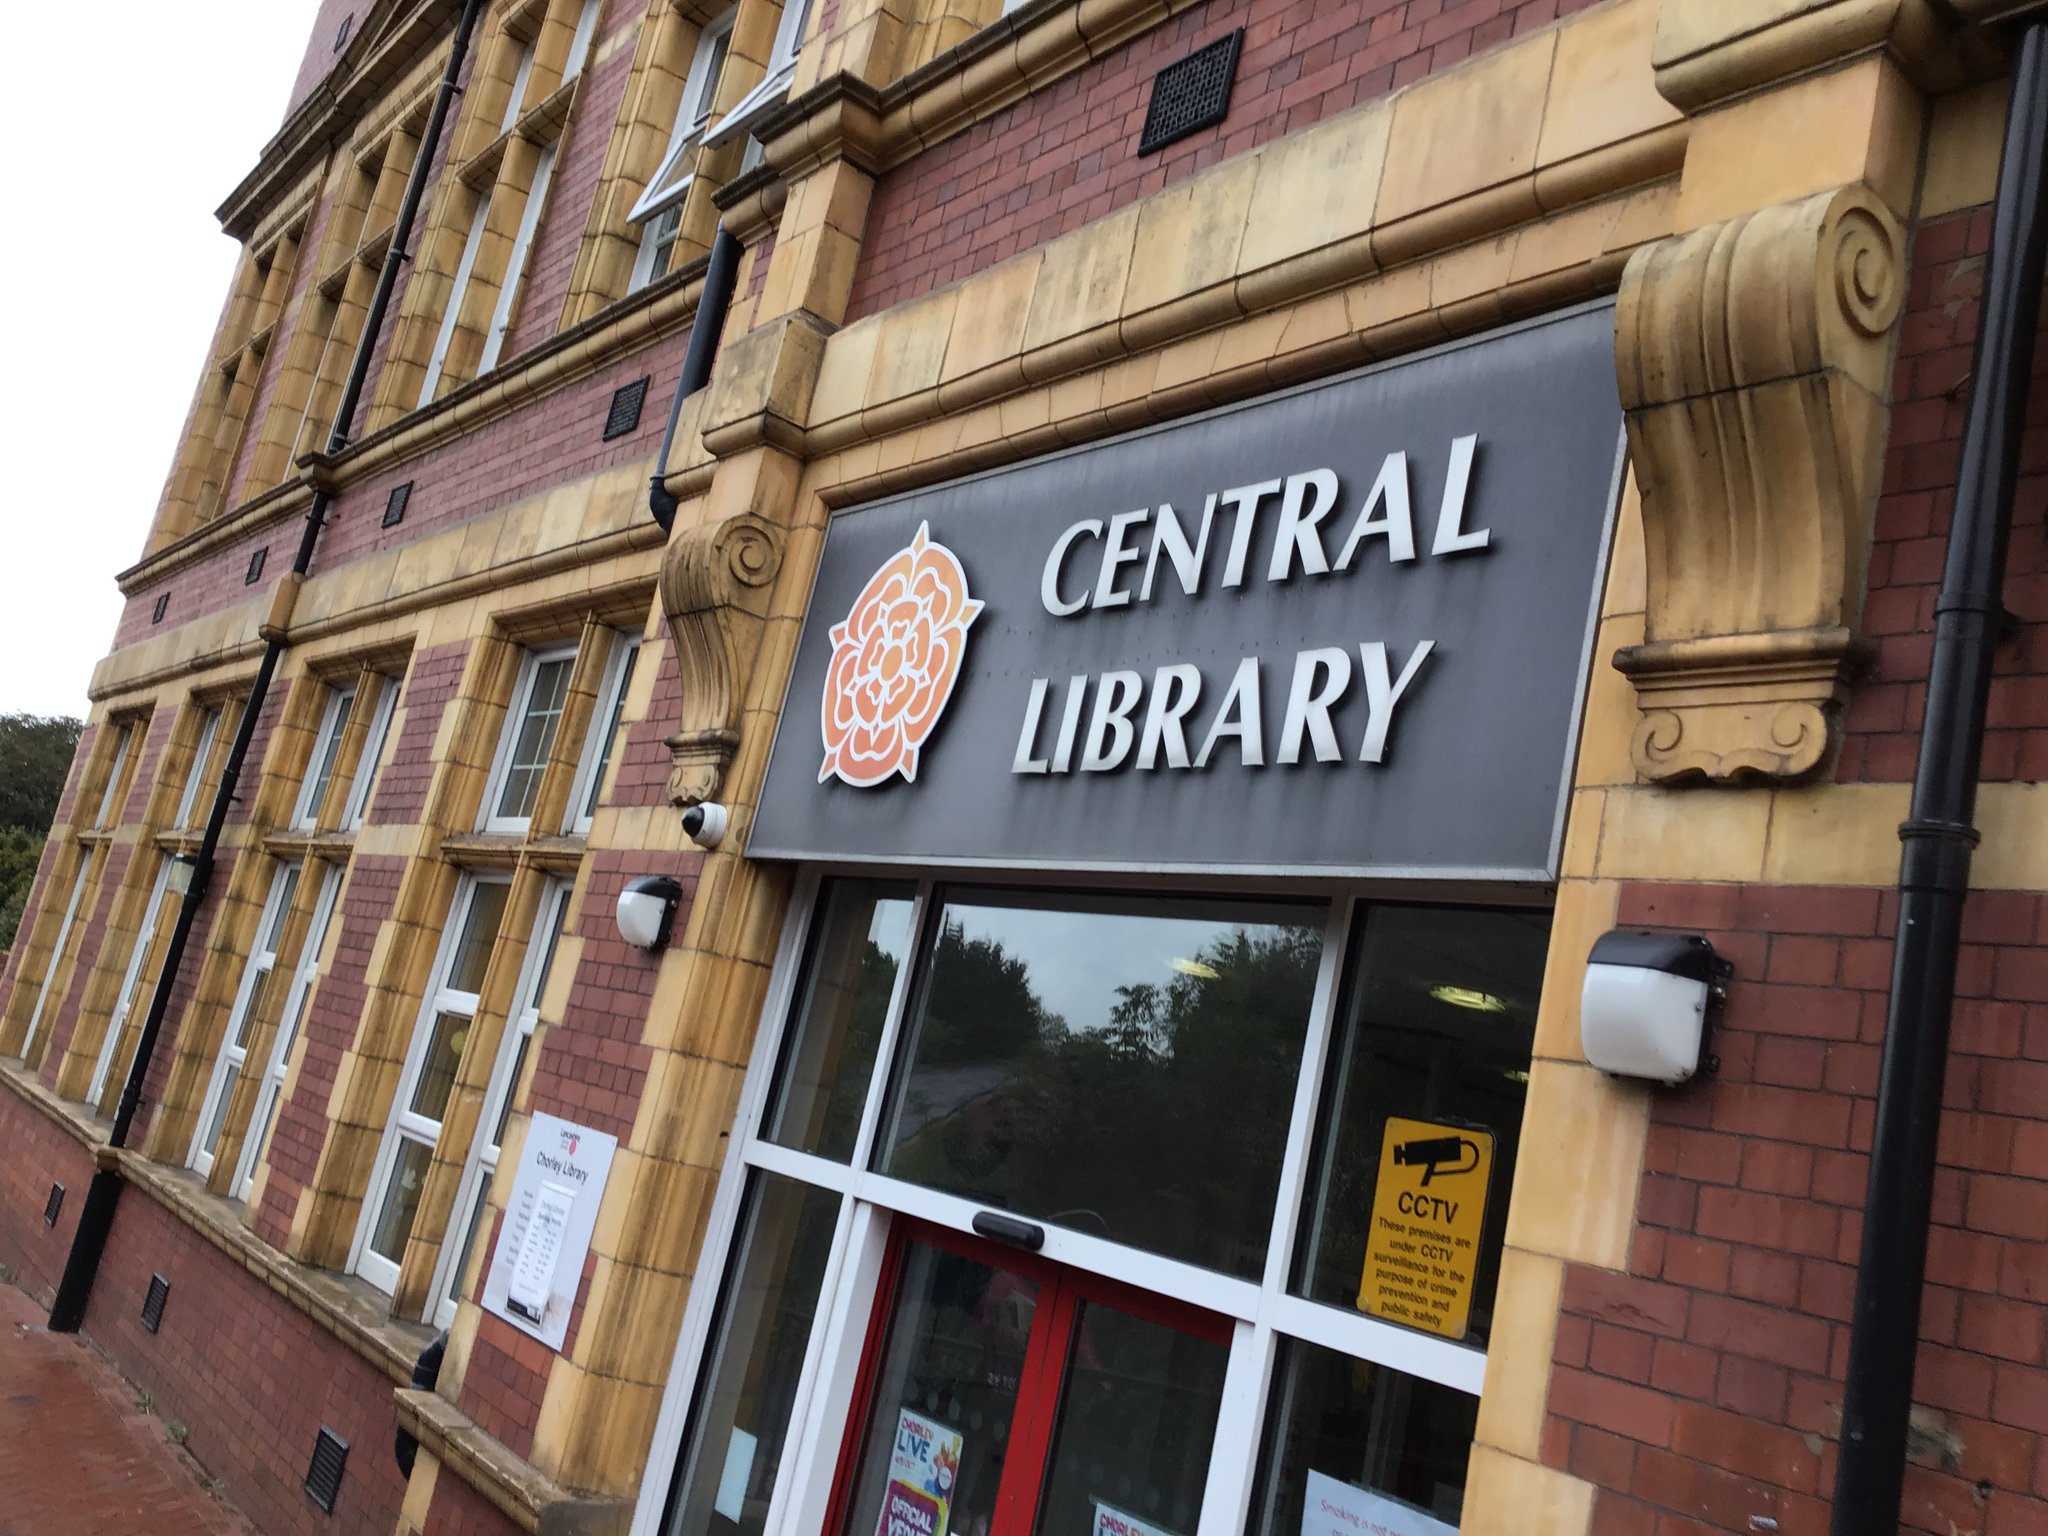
(1121, 1066)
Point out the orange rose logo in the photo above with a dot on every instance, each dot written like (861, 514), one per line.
(894, 663)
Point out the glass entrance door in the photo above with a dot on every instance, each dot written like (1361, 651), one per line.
(1006, 1396)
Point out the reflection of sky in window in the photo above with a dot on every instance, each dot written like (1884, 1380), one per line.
(1077, 960)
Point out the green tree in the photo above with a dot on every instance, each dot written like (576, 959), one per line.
(35, 756)
(19, 852)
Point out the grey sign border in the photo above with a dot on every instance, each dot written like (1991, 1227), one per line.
(1432, 874)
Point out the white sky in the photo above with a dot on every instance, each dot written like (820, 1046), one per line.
(127, 133)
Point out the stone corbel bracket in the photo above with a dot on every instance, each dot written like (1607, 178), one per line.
(1753, 358)
(716, 581)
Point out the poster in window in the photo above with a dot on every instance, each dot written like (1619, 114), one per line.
(1111, 1521)
(1338, 1509)
(923, 1466)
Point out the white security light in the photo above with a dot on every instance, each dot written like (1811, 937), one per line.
(1643, 1011)
(647, 910)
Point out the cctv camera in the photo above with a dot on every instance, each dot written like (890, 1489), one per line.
(704, 824)
(1644, 1008)
(647, 910)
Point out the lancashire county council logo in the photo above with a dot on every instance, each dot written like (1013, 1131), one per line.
(894, 663)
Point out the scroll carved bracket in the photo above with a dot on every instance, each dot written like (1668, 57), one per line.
(716, 580)
(1753, 358)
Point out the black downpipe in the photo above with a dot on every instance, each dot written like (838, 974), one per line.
(1934, 867)
(706, 325)
(96, 1217)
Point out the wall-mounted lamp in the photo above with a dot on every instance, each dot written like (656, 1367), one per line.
(647, 910)
(1643, 1012)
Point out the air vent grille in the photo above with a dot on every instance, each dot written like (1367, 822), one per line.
(394, 505)
(624, 416)
(153, 1303)
(323, 1477)
(255, 572)
(156, 614)
(1192, 94)
(53, 1205)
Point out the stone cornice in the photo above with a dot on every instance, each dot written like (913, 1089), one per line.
(515, 1487)
(1706, 54)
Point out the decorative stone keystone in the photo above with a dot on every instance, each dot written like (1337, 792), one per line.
(1753, 358)
(716, 580)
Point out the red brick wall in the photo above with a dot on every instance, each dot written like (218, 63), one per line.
(644, 757)
(459, 1510)
(401, 793)
(1068, 155)
(39, 1154)
(1930, 389)
(1702, 1389)
(320, 53)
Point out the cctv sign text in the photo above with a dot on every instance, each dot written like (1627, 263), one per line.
(1342, 629)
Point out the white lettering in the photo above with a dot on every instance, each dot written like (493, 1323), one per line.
(1028, 738)
(1070, 725)
(1298, 531)
(1240, 717)
(1049, 584)
(1174, 692)
(1308, 704)
(1398, 524)
(1383, 691)
(1168, 535)
(1449, 540)
(1110, 733)
(1115, 554)
(1245, 499)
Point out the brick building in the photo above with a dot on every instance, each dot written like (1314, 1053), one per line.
(1080, 1090)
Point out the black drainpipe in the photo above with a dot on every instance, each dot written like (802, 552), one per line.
(705, 326)
(1934, 868)
(96, 1219)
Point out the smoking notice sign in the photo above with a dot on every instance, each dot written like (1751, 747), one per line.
(1428, 1211)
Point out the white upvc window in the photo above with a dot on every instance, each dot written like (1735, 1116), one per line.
(452, 311)
(263, 1114)
(601, 744)
(372, 756)
(326, 748)
(234, 1045)
(56, 960)
(112, 791)
(529, 738)
(131, 979)
(515, 266)
(188, 802)
(579, 43)
(774, 87)
(659, 211)
(428, 1080)
(513, 1050)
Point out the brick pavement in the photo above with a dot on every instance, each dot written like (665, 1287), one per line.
(76, 1453)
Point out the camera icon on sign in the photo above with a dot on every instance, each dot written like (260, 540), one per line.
(1434, 1155)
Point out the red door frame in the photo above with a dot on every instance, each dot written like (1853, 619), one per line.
(1062, 1289)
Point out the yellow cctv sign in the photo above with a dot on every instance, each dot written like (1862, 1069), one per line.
(1427, 1214)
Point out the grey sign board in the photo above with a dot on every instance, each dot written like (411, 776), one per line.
(1338, 630)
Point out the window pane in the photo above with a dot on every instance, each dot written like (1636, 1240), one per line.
(480, 924)
(954, 1363)
(460, 1270)
(1369, 1440)
(401, 1200)
(437, 1072)
(220, 1108)
(1132, 1029)
(1438, 1024)
(327, 748)
(273, 933)
(727, 1471)
(534, 738)
(862, 939)
(1137, 1421)
(511, 1090)
(245, 1021)
(608, 743)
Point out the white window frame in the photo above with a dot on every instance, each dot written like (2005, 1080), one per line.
(334, 718)
(774, 87)
(269, 1092)
(1263, 1313)
(522, 76)
(131, 979)
(456, 290)
(78, 884)
(209, 728)
(233, 1054)
(482, 1164)
(507, 307)
(112, 788)
(508, 738)
(374, 741)
(579, 41)
(693, 112)
(592, 765)
(404, 1125)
